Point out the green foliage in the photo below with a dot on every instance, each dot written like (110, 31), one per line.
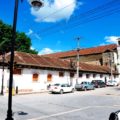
(22, 42)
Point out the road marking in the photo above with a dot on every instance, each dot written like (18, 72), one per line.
(75, 110)
(58, 114)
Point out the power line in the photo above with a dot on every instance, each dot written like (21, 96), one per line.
(59, 10)
(87, 14)
(77, 24)
(83, 15)
(80, 19)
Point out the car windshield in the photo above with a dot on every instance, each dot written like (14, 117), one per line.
(57, 84)
(111, 81)
(83, 82)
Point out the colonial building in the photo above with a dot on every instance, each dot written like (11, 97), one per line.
(33, 73)
(108, 55)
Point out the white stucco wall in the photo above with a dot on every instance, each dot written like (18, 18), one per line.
(118, 61)
(25, 83)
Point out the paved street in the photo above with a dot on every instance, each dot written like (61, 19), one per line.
(80, 105)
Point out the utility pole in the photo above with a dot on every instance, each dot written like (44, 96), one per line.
(78, 58)
(111, 66)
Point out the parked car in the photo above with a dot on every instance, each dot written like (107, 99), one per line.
(84, 86)
(112, 83)
(98, 83)
(61, 88)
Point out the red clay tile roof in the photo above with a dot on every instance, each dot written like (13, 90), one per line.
(22, 58)
(87, 51)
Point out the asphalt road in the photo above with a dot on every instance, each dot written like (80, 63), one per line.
(80, 105)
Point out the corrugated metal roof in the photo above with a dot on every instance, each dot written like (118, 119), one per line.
(87, 51)
(22, 58)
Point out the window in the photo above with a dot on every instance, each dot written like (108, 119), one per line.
(49, 77)
(80, 74)
(87, 75)
(101, 75)
(35, 77)
(115, 76)
(72, 74)
(94, 75)
(61, 74)
(17, 71)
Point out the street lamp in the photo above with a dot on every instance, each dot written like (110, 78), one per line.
(34, 3)
(2, 86)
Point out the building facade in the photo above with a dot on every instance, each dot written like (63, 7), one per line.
(34, 73)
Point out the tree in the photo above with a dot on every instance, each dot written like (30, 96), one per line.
(22, 42)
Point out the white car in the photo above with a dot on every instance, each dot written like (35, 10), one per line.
(61, 88)
(112, 83)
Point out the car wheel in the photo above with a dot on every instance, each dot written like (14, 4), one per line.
(77, 89)
(72, 90)
(61, 91)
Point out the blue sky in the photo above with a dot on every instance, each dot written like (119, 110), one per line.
(55, 26)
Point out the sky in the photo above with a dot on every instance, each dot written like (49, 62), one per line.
(56, 26)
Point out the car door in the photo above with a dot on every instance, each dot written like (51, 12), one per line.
(67, 88)
(63, 87)
(90, 85)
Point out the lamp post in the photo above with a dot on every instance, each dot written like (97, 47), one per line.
(3, 58)
(2, 86)
(34, 3)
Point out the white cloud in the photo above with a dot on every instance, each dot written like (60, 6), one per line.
(32, 48)
(47, 51)
(111, 39)
(102, 44)
(55, 10)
